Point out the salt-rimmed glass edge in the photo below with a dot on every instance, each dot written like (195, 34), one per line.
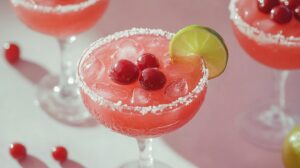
(258, 35)
(119, 106)
(56, 9)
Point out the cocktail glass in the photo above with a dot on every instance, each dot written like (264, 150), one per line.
(59, 95)
(131, 110)
(277, 47)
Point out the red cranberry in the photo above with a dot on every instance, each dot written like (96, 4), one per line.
(147, 60)
(266, 6)
(60, 153)
(152, 79)
(18, 151)
(281, 14)
(11, 52)
(291, 4)
(124, 72)
(297, 13)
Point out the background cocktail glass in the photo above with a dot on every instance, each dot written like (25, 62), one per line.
(266, 124)
(128, 117)
(59, 95)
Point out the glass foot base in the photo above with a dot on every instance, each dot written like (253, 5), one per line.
(63, 105)
(135, 164)
(266, 128)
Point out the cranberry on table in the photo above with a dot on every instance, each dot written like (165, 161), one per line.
(266, 6)
(291, 4)
(152, 79)
(18, 151)
(124, 72)
(147, 60)
(297, 13)
(60, 153)
(11, 52)
(281, 14)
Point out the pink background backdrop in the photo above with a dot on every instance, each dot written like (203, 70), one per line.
(211, 139)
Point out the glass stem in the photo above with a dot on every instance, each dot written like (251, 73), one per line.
(67, 74)
(276, 116)
(282, 78)
(145, 148)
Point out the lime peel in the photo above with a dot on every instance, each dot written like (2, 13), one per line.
(197, 41)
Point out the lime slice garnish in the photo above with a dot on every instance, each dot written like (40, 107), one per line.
(197, 41)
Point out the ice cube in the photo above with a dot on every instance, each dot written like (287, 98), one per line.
(111, 92)
(166, 60)
(128, 49)
(177, 70)
(140, 38)
(266, 25)
(154, 43)
(93, 69)
(177, 88)
(140, 96)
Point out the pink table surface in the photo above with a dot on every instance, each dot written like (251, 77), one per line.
(211, 139)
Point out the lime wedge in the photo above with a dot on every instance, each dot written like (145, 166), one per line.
(197, 41)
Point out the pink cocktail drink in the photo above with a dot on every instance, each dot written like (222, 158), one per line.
(60, 18)
(272, 44)
(268, 30)
(58, 95)
(130, 109)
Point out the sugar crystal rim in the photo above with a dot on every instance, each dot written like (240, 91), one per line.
(119, 105)
(56, 9)
(258, 35)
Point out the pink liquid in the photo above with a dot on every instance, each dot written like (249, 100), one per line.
(61, 24)
(182, 78)
(275, 55)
